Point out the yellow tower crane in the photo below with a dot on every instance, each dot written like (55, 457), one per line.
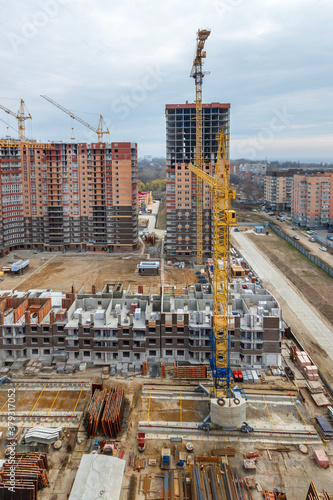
(198, 75)
(99, 130)
(223, 218)
(20, 116)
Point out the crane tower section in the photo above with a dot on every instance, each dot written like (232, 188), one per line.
(198, 74)
(21, 117)
(223, 218)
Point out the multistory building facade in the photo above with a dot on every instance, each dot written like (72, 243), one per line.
(122, 326)
(180, 182)
(313, 200)
(69, 196)
(278, 189)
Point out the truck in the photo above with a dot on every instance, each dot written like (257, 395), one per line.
(141, 441)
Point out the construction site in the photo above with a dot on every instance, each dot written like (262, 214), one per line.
(180, 378)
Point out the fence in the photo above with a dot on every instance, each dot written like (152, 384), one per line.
(315, 260)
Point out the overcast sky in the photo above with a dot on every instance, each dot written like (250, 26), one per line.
(271, 59)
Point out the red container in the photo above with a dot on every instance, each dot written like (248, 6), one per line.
(240, 376)
(235, 373)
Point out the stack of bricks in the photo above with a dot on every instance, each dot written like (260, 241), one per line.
(311, 372)
(304, 364)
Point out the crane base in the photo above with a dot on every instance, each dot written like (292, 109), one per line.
(228, 412)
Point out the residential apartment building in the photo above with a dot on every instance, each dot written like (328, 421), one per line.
(313, 199)
(123, 326)
(180, 182)
(69, 196)
(278, 189)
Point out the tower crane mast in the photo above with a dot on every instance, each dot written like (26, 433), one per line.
(198, 74)
(223, 218)
(20, 116)
(99, 130)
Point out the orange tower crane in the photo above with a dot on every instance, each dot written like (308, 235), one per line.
(198, 75)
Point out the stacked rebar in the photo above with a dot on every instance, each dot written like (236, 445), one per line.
(29, 471)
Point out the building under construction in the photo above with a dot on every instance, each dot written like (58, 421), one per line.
(58, 197)
(180, 182)
(125, 327)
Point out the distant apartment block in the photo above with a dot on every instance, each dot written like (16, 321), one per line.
(313, 200)
(254, 168)
(122, 326)
(180, 182)
(278, 189)
(71, 196)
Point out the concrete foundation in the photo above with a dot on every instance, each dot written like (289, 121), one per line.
(231, 415)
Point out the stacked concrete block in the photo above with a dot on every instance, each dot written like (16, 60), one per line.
(321, 459)
(311, 372)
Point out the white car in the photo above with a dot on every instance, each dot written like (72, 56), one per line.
(323, 249)
(296, 237)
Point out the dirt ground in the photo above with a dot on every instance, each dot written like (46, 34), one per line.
(26, 400)
(60, 271)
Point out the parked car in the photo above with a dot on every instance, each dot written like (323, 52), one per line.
(312, 239)
(323, 249)
(296, 237)
(329, 237)
(294, 228)
(310, 232)
(330, 230)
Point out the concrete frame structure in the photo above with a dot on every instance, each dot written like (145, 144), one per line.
(313, 200)
(71, 196)
(180, 182)
(121, 326)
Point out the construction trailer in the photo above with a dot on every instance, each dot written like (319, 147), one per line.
(148, 268)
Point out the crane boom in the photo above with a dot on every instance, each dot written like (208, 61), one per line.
(223, 219)
(99, 130)
(20, 116)
(198, 75)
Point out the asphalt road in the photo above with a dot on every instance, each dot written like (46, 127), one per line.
(312, 247)
(299, 314)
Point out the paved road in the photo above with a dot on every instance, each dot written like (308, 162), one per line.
(310, 320)
(312, 247)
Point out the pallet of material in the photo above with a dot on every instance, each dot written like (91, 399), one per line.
(227, 452)
(325, 427)
(190, 372)
(321, 459)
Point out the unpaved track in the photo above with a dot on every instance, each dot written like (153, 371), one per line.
(313, 330)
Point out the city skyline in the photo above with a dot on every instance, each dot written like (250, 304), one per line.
(270, 60)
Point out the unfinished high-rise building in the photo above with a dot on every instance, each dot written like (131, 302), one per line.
(68, 196)
(180, 182)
